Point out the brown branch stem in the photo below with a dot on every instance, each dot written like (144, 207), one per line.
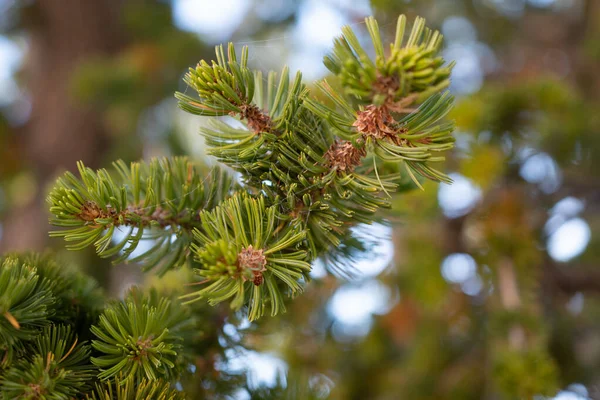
(137, 216)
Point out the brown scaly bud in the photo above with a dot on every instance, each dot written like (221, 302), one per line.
(254, 261)
(375, 121)
(258, 280)
(378, 123)
(386, 86)
(258, 121)
(36, 389)
(344, 156)
(142, 348)
(90, 211)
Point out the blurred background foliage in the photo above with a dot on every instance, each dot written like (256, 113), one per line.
(485, 289)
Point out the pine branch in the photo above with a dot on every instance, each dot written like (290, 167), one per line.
(387, 91)
(55, 367)
(412, 71)
(157, 201)
(51, 363)
(37, 292)
(137, 340)
(310, 170)
(248, 253)
(78, 299)
(230, 88)
(130, 389)
(201, 328)
(26, 302)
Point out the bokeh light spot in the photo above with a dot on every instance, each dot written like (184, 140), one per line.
(569, 240)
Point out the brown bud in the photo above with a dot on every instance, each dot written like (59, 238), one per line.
(250, 259)
(344, 156)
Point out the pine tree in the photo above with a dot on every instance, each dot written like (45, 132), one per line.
(306, 166)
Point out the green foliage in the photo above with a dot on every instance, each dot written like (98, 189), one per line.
(328, 184)
(412, 68)
(247, 251)
(156, 201)
(137, 351)
(526, 374)
(224, 87)
(46, 307)
(130, 389)
(37, 292)
(419, 135)
(55, 367)
(135, 340)
(311, 166)
(228, 86)
(54, 363)
(25, 302)
(387, 91)
(78, 299)
(309, 170)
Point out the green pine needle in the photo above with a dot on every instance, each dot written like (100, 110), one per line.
(56, 367)
(310, 169)
(248, 253)
(131, 389)
(135, 340)
(157, 201)
(26, 302)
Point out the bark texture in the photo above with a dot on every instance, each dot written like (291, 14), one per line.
(60, 131)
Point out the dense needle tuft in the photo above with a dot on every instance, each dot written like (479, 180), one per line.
(310, 169)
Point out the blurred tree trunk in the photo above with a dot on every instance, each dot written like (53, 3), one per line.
(59, 131)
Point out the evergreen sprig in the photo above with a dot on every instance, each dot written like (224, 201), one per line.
(78, 299)
(410, 72)
(266, 110)
(413, 139)
(131, 389)
(52, 362)
(136, 341)
(310, 169)
(229, 87)
(26, 302)
(225, 86)
(394, 106)
(36, 292)
(249, 253)
(156, 201)
(55, 367)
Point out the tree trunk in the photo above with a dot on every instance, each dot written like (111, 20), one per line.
(59, 132)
